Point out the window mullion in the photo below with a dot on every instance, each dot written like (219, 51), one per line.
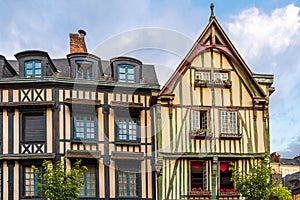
(128, 183)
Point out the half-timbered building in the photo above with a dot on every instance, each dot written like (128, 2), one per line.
(213, 111)
(78, 107)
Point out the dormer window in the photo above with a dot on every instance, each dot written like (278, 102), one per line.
(84, 70)
(33, 68)
(126, 70)
(126, 73)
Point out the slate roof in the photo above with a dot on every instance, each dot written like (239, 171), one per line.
(295, 177)
(290, 161)
(148, 71)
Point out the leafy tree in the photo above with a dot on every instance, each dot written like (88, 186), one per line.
(281, 193)
(257, 183)
(59, 183)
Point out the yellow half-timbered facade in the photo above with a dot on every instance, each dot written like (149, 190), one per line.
(78, 107)
(213, 111)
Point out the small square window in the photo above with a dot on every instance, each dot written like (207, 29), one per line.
(203, 76)
(126, 73)
(30, 181)
(229, 122)
(84, 70)
(85, 126)
(199, 119)
(220, 76)
(127, 129)
(33, 68)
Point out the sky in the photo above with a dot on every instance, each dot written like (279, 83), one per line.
(160, 32)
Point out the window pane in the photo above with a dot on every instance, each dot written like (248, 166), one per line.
(195, 120)
(84, 70)
(229, 122)
(30, 182)
(126, 73)
(89, 186)
(84, 127)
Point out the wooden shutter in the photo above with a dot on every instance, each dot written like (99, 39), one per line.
(34, 127)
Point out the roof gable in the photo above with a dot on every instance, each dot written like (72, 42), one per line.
(213, 37)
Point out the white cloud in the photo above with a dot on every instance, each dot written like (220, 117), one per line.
(270, 43)
(256, 31)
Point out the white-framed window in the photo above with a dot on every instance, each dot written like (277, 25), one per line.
(220, 76)
(203, 76)
(229, 122)
(199, 119)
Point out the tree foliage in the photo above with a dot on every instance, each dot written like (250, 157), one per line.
(257, 183)
(281, 193)
(59, 183)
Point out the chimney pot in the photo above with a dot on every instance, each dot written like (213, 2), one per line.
(82, 32)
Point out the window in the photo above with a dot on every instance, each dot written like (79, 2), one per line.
(221, 76)
(126, 73)
(30, 181)
(84, 70)
(85, 127)
(128, 179)
(229, 122)
(198, 175)
(33, 68)
(89, 182)
(33, 126)
(225, 176)
(203, 76)
(199, 120)
(127, 129)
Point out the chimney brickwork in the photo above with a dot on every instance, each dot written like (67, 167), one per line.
(77, 43)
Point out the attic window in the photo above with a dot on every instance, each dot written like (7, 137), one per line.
(221, 76)
(126, 73)
(33, 68)
(84, 70)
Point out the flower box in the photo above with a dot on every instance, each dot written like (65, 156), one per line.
(200, 134)
(200, 193)
(218, 84)
(227, 192)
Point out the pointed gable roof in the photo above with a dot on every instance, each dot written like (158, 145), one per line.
(214, 37)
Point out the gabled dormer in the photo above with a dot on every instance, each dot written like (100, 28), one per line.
(85, 66)
(6, 70)
(126, 70)
(35, 63)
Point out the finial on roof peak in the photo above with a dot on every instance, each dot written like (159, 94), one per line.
(212, 15)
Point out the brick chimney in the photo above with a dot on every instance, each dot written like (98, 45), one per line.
(77, 44)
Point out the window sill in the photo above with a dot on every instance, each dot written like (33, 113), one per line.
(212, 84)
(200, 134)
(129, 143)
(200, 194)
(229, 194)
(232, 136)
(80, 141)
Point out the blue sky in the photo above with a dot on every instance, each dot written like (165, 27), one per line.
(266, 33)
